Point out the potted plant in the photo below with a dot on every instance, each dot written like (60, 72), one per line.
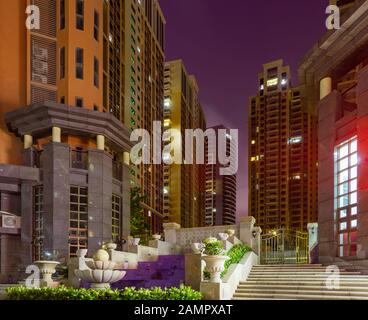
(214, 258)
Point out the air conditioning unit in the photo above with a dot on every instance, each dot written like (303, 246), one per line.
(40, 67)
(10, 222)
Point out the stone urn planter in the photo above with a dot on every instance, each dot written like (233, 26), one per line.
(111, 246)
(81, 253)
(230, 232)
(47, 269)
(215, 266)
(156, 237)
(197, 247)
(136, 241)
(101, 271)
(224, 236)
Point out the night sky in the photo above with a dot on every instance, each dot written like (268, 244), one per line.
(225, 43)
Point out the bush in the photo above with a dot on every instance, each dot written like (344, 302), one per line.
(64, 293)
(213, 247)
(236, 253)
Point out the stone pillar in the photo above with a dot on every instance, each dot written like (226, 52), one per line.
(126, 158)
(27, 222)
(56, 190)
(193, 271)
(100, 142)
(246, 229)
(313, 242)
(256, 246)
(56, 134)
(362, 132)
(325, 87)
(99, 199)
(30, 157)
(170, 230)
(28, 141)
(327, 237)
(126, 201)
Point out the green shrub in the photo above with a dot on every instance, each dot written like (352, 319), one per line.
(213, 247)
(236, 254)
(64, 293)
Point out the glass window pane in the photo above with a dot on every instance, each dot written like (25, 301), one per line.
(354, 198)
(343, 201)
(354, 223)
(354, 159)
(343, 189)
(343, 226)
(354, 211)
(344, 151)
(341, 251)
(344, 176)
(353, 185)
(353, 172)
(343, 164)
(354, 146)
(343, 214)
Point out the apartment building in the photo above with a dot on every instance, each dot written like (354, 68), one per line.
(70, 94)
(220, 190)
(282, 158)
(183, 191)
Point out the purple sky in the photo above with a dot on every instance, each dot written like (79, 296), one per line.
(225, 46)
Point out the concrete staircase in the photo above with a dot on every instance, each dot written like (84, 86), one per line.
(300, 282)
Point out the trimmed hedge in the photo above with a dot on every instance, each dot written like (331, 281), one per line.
(64, 293)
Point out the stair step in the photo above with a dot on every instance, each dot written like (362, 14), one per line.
(308, 282)
(307, 273)
(306, 277)
(299, 287)
(289, 265)
(297, 296)
(273, 291)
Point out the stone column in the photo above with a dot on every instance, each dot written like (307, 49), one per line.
(99, 199)
(56, 134)
(56, 189)
(256, 246)
(193, 271)
(100, 142)
(325, 87)
(246, 229)
(362, 132)
(27, 222)
(28, 141)
(313, 242)
(126, 201)
(170, 230)
(29, 157)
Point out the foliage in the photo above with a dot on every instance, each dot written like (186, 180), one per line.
(236, 254)
(138, 222)
(64, 293)
(213, 247)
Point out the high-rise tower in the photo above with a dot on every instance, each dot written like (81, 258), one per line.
(282, 161)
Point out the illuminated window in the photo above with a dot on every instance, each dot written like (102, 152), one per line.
(78, 219)
(272, 82)
(346, 196)
(295, 140)
(38, 234)
(116, 217)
